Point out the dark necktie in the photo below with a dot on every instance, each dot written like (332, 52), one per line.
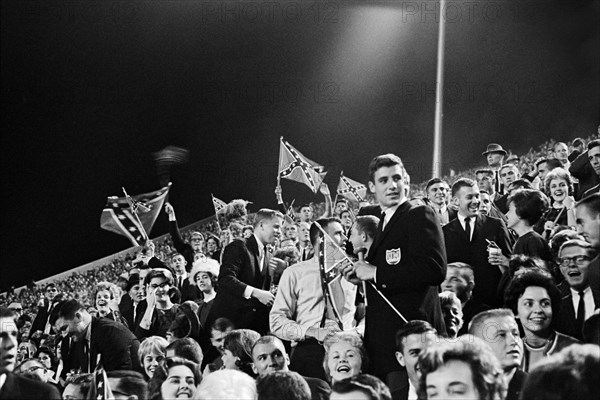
(580, 312)
(468, 228)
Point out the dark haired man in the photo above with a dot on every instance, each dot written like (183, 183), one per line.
(411, 340)
(13, 386)
(468, 236)
(437, 194)
(127, 385)
(588, 225)
(97, 339)
(406, 263)
(244, 281)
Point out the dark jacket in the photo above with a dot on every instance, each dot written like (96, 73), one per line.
(240, 268)
(566, 320)
(411, 264)
(19, 387)
(458, 248)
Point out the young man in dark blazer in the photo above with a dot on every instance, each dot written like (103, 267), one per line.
(407, 263)
(469, 244)
(13, 386)
(97, 339)
(244, 281)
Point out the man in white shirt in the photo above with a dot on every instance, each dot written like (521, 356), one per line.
(302, 314)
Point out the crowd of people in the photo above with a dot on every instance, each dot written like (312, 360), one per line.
(483, 285)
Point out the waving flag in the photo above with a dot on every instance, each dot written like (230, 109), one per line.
(133, 216)
(351, 189)
(218, 204)
(294, 166)
(332, 259)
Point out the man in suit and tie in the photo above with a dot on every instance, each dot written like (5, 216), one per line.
(45, 307)
(97, 339)
(587, 211)
(182, 283)
(494, 155)
(244, 282)
(406, 263)
(13, 386)
(579, 300)
(467, 239)
(437, 194)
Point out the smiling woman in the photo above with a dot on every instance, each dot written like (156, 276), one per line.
(345, 356)
(176, 378)
(534, 299)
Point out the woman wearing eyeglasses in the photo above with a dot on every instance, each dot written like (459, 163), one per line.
(535, 300)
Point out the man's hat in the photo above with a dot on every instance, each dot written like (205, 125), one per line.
(494, 148)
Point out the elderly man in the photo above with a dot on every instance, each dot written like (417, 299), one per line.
(494, 156)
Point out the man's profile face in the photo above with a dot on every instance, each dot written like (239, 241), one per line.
(502, 335)
(438, 193)
(543, 170)
(269, 230)
(304, 231)
(409, 357)
(494, 159)
(588, 226)
(388, 186)
(594, 157)
(73, 327)
(8, 344)
(270, 357)
(467, 200)
(356, 238)
(335, 230)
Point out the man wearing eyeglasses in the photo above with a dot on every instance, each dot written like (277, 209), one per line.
(579, 300)
(13, 386)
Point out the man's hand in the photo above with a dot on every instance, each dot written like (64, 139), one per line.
(322, 333)
(324, 189)
(264, 297)
(500, 260)
(169, 208)
(569, 202)
(364, 271)
(349, 274)
(278, 192)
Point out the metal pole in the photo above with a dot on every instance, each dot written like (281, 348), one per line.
(439, 96)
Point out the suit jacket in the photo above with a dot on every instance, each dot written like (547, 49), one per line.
(566, 320)
(515, 385)
(189, 291)
(239, 269)
(458, 248)
(411, 264)
(19, 387)
(116, 344)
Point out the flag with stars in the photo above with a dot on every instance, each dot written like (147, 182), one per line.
(332, 259)
(218, 204)
(294, 166)
(100, 389)
(133, 216)
(351, 189)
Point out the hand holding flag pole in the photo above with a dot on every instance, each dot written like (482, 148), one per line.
(349, 272)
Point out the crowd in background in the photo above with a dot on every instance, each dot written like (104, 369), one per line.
(541, 301)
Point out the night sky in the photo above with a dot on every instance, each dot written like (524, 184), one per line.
(91, 88)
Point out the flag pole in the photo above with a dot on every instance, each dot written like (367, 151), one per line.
(439, 96)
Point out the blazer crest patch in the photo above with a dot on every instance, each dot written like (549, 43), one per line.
(393, 256)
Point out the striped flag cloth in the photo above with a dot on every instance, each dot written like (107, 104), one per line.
(100, 389)
(294, 166)
(218, 204)
(351, 189)
(331, 261)
(118, 217)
